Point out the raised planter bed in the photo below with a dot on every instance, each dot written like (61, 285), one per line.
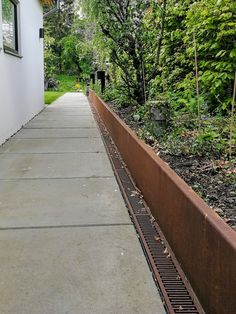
(203, 243)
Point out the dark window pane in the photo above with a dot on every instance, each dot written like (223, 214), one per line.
(9, 24)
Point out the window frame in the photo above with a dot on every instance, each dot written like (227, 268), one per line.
(7, 49)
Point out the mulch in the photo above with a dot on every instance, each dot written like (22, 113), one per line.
(213, 180)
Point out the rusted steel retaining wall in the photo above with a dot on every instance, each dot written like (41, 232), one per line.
(203, 243)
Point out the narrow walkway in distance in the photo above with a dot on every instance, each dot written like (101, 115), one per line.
(67, 242)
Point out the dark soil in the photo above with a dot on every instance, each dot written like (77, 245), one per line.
(213, 180)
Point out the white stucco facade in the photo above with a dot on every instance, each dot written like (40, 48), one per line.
(22, 79)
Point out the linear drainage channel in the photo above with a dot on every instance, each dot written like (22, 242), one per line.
(176, 292)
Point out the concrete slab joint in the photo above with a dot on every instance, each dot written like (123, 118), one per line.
(67, 241)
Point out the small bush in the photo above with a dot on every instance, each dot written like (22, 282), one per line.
(53, 83)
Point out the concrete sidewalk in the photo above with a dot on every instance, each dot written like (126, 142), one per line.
(67, 244)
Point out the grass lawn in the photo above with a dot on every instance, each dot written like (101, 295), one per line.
(67, 83)
(50, 96)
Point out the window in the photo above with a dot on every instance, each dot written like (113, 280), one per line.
(10, 26)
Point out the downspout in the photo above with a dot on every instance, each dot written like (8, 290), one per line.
(54, 10)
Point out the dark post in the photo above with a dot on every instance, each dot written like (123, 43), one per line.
(92, 77)
(87, 87)
(101, 75)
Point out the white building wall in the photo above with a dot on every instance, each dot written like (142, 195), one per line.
(22, 79)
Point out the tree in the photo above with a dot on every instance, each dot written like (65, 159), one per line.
(77, 48)
(133, 32)
(68, 46)
(58, 26)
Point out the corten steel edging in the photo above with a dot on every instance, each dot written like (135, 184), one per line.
(166, 271)
(203, 243)
(177, 294)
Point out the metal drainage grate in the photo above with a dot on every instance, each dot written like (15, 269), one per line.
(177, 294)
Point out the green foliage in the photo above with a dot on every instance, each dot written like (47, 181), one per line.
(214, 23)
(212, 140)
(68, 43)
(7, 13)
(153, 49)
(57, 26)
(49, 58)
(115, 94)
(77, 51)
(67, 83)
(131, 30)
